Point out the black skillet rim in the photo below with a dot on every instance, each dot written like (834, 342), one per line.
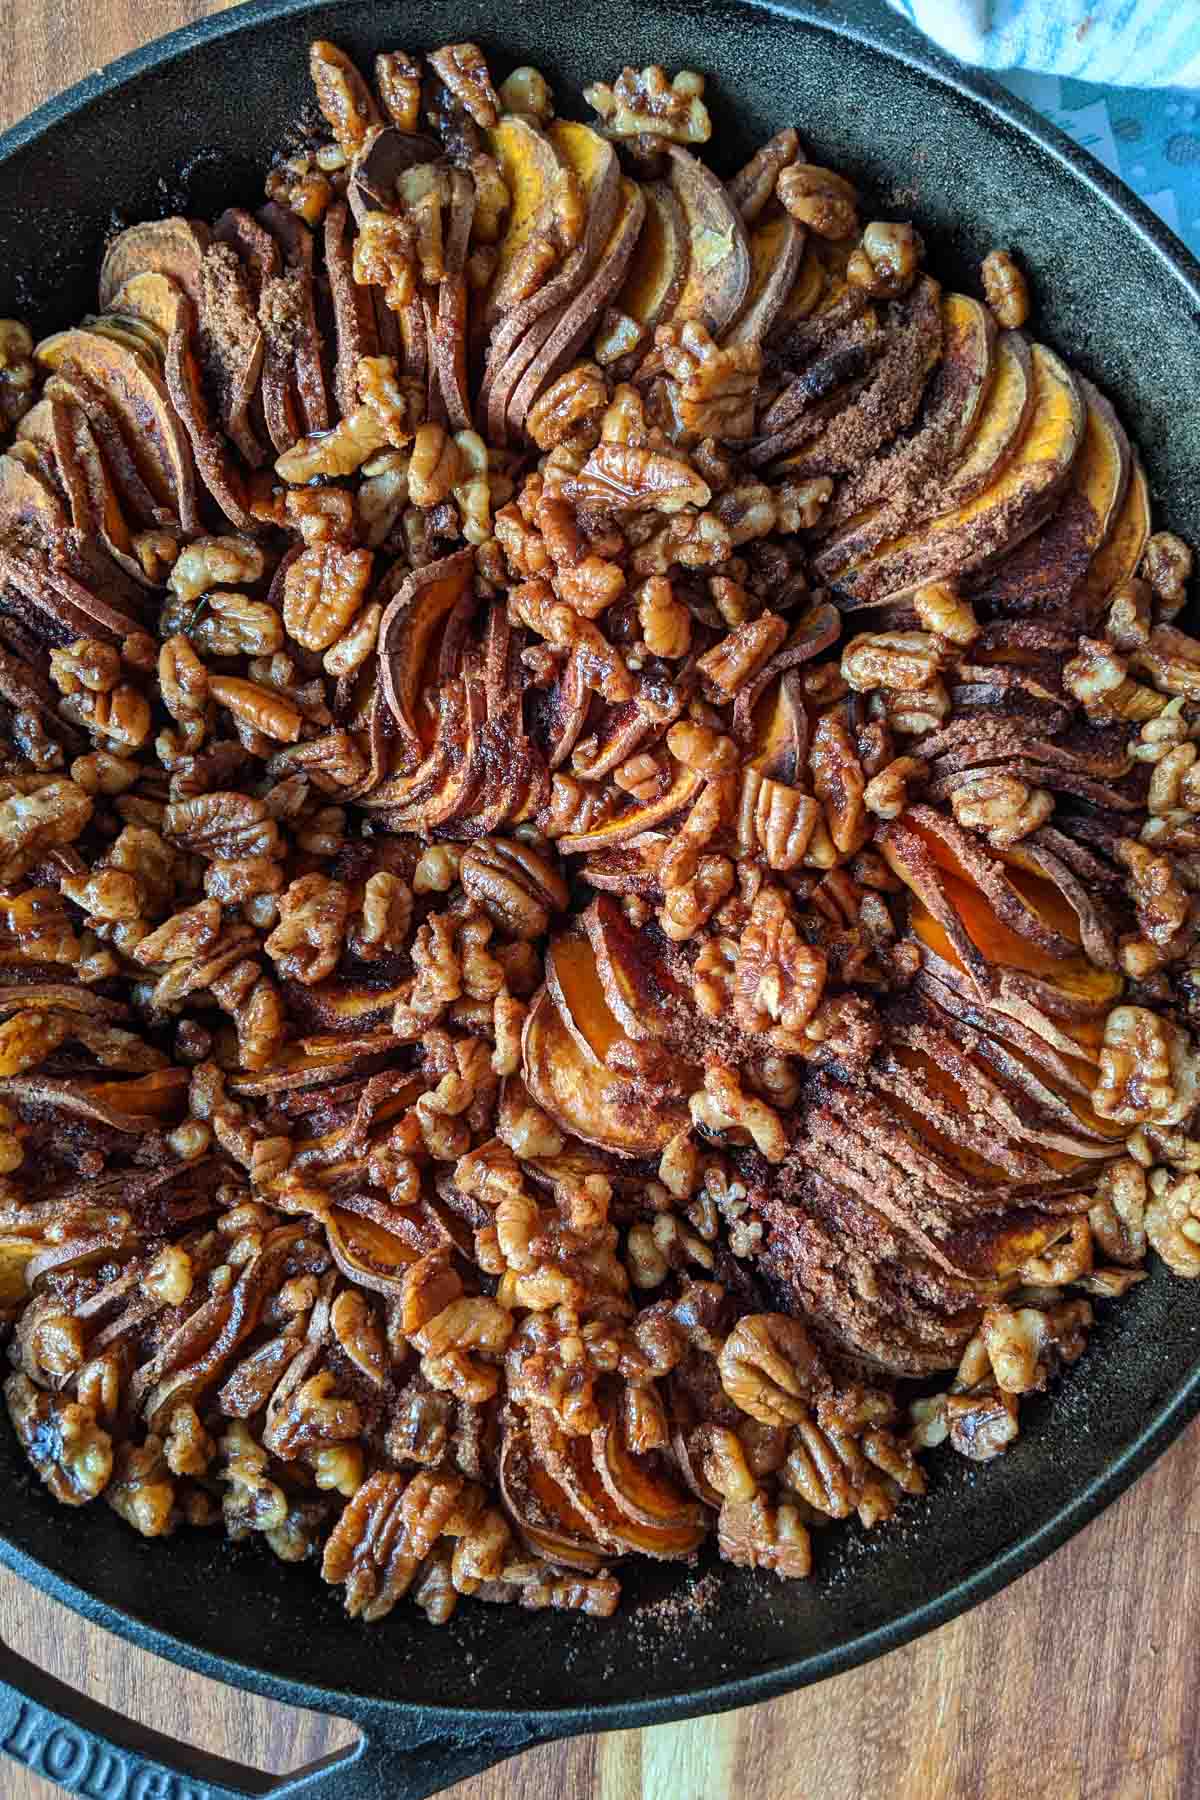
(890, 35)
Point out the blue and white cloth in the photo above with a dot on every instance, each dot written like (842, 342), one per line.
(1120, 77)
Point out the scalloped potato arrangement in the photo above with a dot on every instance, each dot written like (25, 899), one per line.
(600, 839)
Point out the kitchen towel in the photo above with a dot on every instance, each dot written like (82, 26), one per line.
(1120, 77)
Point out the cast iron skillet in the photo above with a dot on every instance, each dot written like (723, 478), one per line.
(186, 125)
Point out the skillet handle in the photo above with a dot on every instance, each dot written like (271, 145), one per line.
(89, 1750)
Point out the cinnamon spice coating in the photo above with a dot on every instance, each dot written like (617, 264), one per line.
(523, 1029)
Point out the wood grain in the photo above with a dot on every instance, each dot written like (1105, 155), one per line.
(1076, 1684)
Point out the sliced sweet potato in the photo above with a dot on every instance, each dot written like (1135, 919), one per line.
(290, 321)
(718, 277)
(30, 509)
(132, 332)
(541, 1510)
(805, 292)
(626, 1117)
(1048, 568)
(969, 537)
(173, 247)
(257, 249)
(153, 298)
(95, 510)
(1118, 557)
(344, 1008)
(641, 1489)
(646, 997)
(571, 1463)
(886, 404)
(138, 399)
(317, 1062)
(213, 459)
(61, 597)
(230, 345)
(776, 252)
(593, 162)
(653, 283)
(546, 211)
(353, 309)
(562, 332)
(450, 331)
(407, 633)
(877, 499)
(574, 984)
(628, 824)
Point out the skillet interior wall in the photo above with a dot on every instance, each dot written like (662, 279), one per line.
(1102, 292)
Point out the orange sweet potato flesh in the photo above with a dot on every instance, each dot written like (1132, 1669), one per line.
(546, 208)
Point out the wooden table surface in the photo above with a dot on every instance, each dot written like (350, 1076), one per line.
(1075, 1684)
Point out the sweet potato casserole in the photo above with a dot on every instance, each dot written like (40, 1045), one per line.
(600, 840)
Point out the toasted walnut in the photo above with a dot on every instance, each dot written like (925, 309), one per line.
(1099, 679)
(886, 261)
(1167, 566)
(1026, 1344)
(252, 1502)
(665, 622)
(903, 661)
(1006, 288)
(756, 1535)
(357, 1331)
(465, 73)
(214, 562)
(645, 100)
(778, 980)
(527, 91)
(629, 480)
(982, 1422)
(17, 372)
(434, 467)
(1162, 904)
(825, 202)
(1000, 805)
(307, 942)
(1148, 1070)
(169, 1277)
(724, 1104)
(141, 1490)
(688, 907)
(398, 80)
(534, 604)
(942, 611)
(62, 1440)
(1117, 1217)
(886, 794)
(1172, 1221)
(53, 813)
(711, 388)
